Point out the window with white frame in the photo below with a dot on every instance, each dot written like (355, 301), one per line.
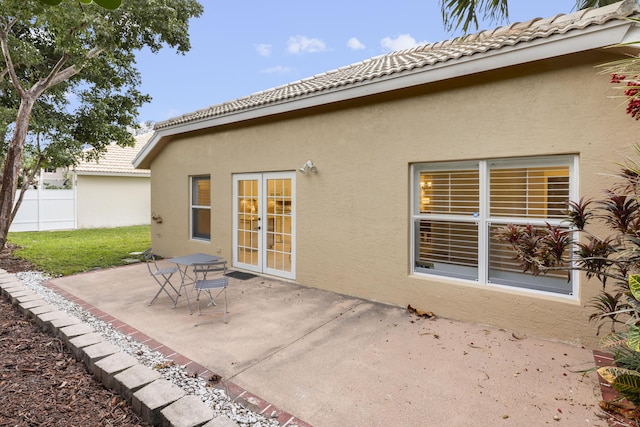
(201, 207)
(459, 206)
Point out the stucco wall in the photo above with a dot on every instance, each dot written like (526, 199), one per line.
(113, 201)
(353, 216)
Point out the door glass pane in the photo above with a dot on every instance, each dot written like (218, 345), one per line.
(248, 221)
(279, 237)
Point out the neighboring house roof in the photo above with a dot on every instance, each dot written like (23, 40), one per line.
(116, 161)
(517, 43)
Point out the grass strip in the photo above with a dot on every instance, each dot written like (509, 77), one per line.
(62, 253)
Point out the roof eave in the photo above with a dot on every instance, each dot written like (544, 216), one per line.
(142, 160)
(608, 34)
(122, 174)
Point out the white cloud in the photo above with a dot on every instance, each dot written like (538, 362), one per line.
(278, 69)
(302, 44)
(264, 49)
(403, 41)
(355, 44)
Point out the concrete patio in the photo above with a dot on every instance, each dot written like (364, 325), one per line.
(331, 359)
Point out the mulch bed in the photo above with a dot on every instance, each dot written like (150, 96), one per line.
(11, 264)
(41, 383)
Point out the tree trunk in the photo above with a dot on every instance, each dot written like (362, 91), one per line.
(12, 165)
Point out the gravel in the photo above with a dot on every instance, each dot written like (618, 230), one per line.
(217, 399)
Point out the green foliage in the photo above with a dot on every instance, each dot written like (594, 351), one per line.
(614, 340)
(626, 381)
(68, 79)
(628, 384)
(605, 304)
(625, 357)
(633, 338)
(634, 286)
(107, 4)
(85, 55)
(71, 252)
(624, 377)
(464, 13)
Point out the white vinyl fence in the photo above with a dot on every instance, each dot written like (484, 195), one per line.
(46, 210)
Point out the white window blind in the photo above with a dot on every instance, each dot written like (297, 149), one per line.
(455, 231)
(450, 192)
(448, 234)
(535, 192)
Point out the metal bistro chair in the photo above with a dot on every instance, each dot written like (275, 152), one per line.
(208, 284)
(161, 275)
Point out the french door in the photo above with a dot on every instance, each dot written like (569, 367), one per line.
(264, 223)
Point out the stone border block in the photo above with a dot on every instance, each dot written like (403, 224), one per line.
(95, 352)
(26, 297)
(55, 320)
(7, 290)
(64, 322)
(151, 399)
(32, 310)
(28, 305)
(105, 369)
(78, 343)
(25, 293)
(7, 277)
(72, 331)
(133, 379)
(190, 411)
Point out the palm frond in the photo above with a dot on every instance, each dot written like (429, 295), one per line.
(464, 13)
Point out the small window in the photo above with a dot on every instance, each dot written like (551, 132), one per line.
(201, 207)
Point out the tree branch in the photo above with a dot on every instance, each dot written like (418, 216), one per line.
(48, 81)
(4, 45)
(56, 76)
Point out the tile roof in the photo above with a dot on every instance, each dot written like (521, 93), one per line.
(116, 160)
(419, 57)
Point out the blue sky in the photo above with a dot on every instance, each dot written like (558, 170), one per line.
(245, 46)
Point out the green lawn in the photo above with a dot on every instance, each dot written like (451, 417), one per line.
(74, 251)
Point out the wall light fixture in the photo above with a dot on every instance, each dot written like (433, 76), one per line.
(308, 166)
